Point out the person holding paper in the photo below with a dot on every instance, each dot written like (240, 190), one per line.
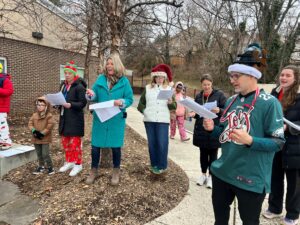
(207, 144)
(178, 115)
(157, 117)
(71, 121)
(287, 161)
(250, 132)
(110, 86)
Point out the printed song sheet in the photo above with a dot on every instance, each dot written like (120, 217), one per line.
(105, 110)
(295, 126)
(210, 105)
(199, 109)
(165, 94)
(56, 99)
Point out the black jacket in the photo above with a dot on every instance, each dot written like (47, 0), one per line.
(291, 149)
(71, 121)
(201, 137)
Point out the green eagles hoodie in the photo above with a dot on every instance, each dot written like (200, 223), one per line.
(249, 167)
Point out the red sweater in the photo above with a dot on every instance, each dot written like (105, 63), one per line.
(5, 92)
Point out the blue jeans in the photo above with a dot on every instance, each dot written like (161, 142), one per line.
(158, 143)
(116, 153)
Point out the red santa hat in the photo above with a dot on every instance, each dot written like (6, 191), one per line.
(71, 67)
(162, 70)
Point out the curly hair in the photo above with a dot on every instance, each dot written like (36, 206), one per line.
(289, 96)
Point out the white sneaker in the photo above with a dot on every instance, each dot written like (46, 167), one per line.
(202, 180)
(209, 182)
(76, 169)
(66, 166)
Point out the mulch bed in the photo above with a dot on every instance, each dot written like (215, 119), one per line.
(138, 199)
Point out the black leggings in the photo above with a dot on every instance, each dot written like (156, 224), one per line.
(207, 156)
(292, 202)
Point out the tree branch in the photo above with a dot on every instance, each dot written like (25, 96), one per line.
(172, 3)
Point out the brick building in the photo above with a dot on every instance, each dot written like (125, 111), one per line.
(35, 54)
(35, 70)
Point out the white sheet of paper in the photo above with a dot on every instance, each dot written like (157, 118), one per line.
(102, 105)
(199, 109)
(165, 94)
(105, 110)
(210, 105)
(297, 127)
(56, 99)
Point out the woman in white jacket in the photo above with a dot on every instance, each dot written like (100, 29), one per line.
(157, 117)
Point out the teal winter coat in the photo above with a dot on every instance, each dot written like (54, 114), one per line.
(110, 134)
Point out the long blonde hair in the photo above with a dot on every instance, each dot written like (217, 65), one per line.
(290, 94)
(119, 68)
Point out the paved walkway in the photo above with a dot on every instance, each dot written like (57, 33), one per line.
(15, 208)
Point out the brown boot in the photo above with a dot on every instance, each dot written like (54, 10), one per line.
(93, 175)
(115, 176)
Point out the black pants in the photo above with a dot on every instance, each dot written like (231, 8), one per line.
(207, 156)
(249, 203)
(292, 202)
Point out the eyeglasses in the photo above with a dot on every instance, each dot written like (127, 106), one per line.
(235, 76)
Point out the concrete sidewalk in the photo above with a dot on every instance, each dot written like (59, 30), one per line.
(196, 207)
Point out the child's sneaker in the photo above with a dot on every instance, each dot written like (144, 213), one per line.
(39, 170)
(51, 171)
(186, 139)
(287, 221)
(4, 146)
(270, 215)
(172, 137)
(202, 180)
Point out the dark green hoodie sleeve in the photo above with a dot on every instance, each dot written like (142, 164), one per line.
(142, 103)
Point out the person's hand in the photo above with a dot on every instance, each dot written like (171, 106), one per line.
(208, 124)
(118, 103)
(170, 101)
(191, 114)
(37, 134)
(67, 105)
(284, 127)
(241, 136)
(90, 92)
(216, 110)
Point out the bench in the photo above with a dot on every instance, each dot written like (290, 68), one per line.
(16, 156)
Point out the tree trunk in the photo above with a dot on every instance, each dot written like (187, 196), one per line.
(90, 19)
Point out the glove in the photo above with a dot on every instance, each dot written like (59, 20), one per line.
(38, 134)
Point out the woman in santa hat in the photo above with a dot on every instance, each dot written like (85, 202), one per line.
(157, 117)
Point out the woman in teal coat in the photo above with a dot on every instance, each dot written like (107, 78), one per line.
(112, 85)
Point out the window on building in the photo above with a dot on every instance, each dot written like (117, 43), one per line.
(4, 64)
